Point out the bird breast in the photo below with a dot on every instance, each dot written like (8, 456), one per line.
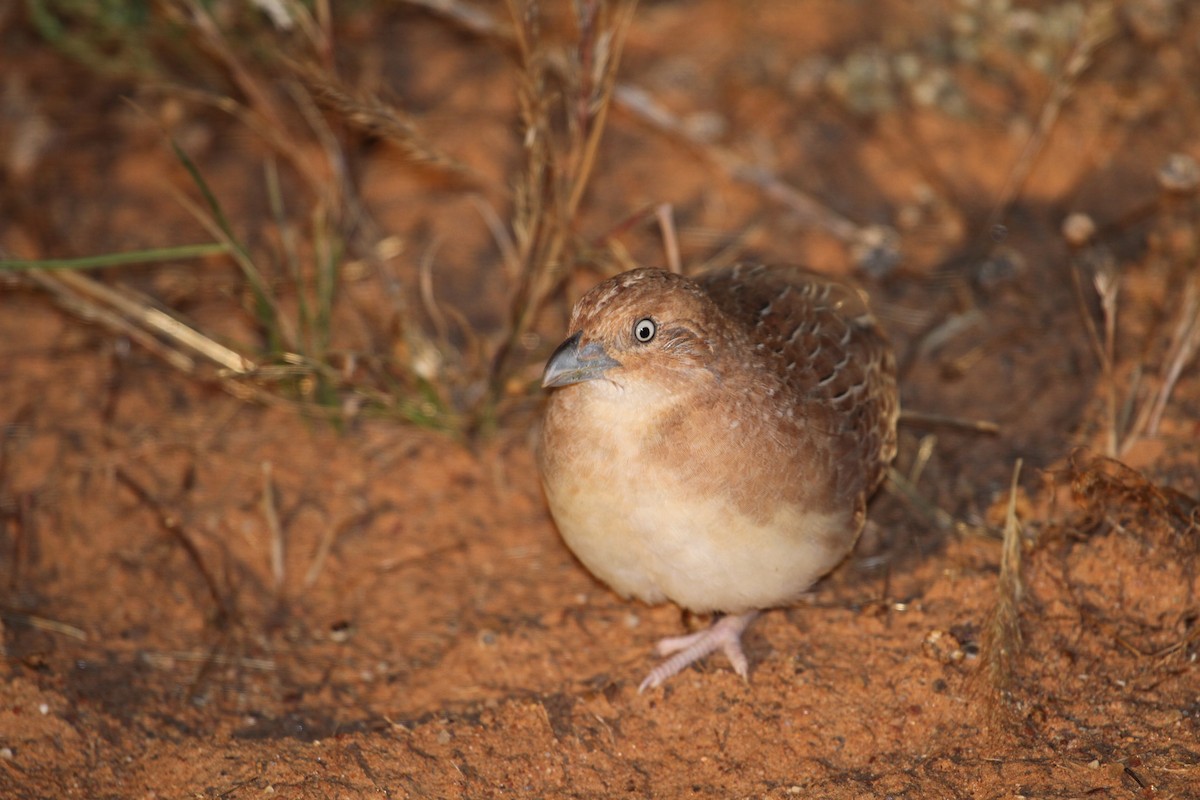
(679, 497)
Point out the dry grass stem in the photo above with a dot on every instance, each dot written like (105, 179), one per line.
(262, 112)
(317, 29)
(136, 317)
(1002, 637)
(425, 282)
(127, 314)
(1135, 417)
(1099, 26)
(924, 453)
(279, 323)
(500, 235)
(211, 659)
(901, 487)
(271, 122)
(948, 330)
(43, 624)
(260, 100)
(810, 211)
(443, 361)
(733, 249)
(942, 421)
(370, 116)
(89, 311)
(281, 141)
(1094, 337)
(171, 523)
(666, 221)
(274, 529)
(468, 17)
(324, 547)
(1184, 343)
(1108, 286)
(558, 165)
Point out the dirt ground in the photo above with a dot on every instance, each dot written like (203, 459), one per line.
(205, 594)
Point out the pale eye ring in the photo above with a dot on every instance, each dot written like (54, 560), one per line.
(644, 330)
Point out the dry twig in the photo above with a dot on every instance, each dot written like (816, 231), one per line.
(370, 116)
(1099, 26)
(1002, 638)
(552, 187)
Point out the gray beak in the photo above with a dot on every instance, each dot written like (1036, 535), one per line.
(574, 364)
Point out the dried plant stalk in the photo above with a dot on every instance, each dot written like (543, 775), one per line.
(1099, 26)
(1185, 342)
(551, 189)
(468, 17)
(811, 211)
(1002, 637)
(369, 115)
(138, 319)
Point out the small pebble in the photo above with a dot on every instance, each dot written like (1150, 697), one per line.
(1078, 229)
(1180, 173)
(876, 249)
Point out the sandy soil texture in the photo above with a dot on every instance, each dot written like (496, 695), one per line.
(207, 592)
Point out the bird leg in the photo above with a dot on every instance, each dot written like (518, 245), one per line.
(725, 635)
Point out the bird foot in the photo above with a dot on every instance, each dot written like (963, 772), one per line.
(725, 635)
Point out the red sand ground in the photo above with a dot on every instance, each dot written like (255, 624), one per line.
(416, 628)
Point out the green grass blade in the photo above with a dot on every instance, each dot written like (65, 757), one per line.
(265, 307)
(117, 259)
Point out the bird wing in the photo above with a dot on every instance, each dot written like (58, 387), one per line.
(818, 334)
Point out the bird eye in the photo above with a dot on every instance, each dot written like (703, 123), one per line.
(644, 330)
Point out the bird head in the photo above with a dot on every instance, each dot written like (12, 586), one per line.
(643, 322)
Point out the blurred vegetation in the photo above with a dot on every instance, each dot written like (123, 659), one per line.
(270, 66)
(109, 36)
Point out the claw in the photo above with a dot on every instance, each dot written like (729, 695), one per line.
(725, 635)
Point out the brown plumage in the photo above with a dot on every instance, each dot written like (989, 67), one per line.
(713, 441)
